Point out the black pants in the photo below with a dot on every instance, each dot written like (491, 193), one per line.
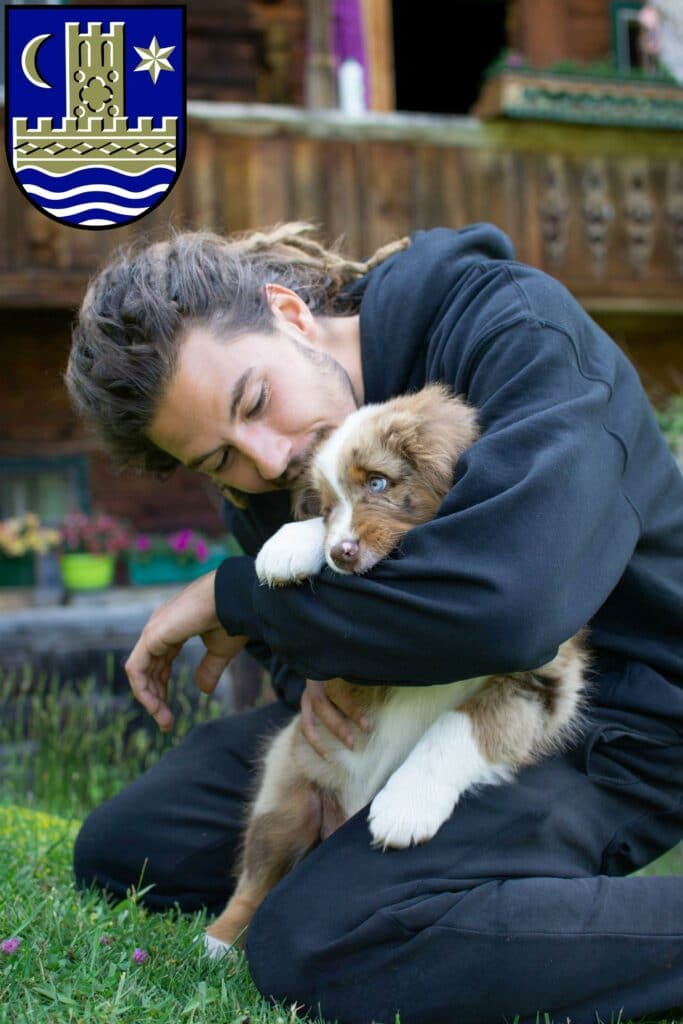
(517, 905)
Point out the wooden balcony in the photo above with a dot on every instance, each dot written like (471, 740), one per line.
(600, 208)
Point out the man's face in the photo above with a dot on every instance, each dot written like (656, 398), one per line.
(249, 412)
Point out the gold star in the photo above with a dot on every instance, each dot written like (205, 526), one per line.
(154, 59)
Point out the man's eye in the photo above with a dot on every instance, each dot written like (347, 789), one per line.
(377, 484)
(260, 401)
(224, 460)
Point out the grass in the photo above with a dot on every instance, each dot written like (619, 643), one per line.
(75, 962)
(75, 959)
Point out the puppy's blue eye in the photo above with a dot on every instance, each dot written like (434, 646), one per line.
(377, 484)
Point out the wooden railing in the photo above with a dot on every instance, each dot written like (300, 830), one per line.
(600, 208)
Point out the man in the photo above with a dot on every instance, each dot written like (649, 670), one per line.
(235, 358)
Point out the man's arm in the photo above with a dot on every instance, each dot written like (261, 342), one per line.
(251, 527)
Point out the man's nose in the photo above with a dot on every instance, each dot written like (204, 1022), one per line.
(270, 452)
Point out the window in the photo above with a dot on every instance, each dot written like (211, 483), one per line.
(49, 486)
(626, 35)
(441, 70)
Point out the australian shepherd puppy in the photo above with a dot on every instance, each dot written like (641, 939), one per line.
(385, 470)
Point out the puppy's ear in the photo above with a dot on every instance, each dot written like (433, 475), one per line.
(306, 502)
(431, 429)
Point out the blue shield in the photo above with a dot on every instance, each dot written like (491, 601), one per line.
(95, 109)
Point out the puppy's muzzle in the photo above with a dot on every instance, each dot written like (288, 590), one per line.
(345, 555)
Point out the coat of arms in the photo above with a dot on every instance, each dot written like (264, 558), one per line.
(95, 109)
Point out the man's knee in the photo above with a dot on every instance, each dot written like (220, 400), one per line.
(301, 948)
(279, 950)
(118, 848)
(94, 856)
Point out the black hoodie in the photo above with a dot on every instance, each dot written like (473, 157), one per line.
(568, 510)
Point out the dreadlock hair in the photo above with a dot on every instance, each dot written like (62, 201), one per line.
(139, 307)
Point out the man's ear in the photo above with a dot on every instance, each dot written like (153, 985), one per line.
(289, 309)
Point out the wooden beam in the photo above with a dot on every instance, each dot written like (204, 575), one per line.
(321, 87)
(379, 50)
(545, 31)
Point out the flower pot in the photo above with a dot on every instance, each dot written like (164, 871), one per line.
(87, 572)
(157, 569)
(17, 572)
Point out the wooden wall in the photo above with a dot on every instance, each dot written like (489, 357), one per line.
(600, 208)
(546, 31)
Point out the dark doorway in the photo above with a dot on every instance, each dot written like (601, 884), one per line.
(441, 51)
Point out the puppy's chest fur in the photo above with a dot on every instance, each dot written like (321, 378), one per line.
(399, 716)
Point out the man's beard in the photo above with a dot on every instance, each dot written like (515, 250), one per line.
(329, 367)
(299, 465)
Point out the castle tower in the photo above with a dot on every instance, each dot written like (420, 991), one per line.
(95, 73)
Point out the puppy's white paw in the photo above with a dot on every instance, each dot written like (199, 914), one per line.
(402, 816)
(292, 554)
(215, 948)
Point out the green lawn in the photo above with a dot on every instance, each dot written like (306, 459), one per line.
(76, 961)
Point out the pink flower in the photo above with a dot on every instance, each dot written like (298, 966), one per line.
(649, 17)
(140, 955)
(650, 24)
(10, 945)
(201, 550)
(143, 542)
(180, 541)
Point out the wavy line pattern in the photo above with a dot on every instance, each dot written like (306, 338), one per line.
(99, 172)
(94, 191)
(84, 197)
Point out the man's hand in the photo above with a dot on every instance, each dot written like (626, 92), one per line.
(317, 707)
(192, 612)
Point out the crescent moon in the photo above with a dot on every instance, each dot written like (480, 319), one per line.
(28, 61)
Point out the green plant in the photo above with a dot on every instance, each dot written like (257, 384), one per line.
(670, 419)
(511, 61)
(70, 744)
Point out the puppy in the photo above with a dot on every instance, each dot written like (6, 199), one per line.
(385, 470)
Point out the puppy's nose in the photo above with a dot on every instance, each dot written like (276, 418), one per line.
(345, 553)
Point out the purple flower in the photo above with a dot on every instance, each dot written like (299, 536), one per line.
(181, 540)
(106, 940)
(10, 945)
(140, 955)
(515, 60)
(143, 542)
(201, 550)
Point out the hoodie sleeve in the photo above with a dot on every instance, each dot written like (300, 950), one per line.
(526, 547)
(234, 587)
